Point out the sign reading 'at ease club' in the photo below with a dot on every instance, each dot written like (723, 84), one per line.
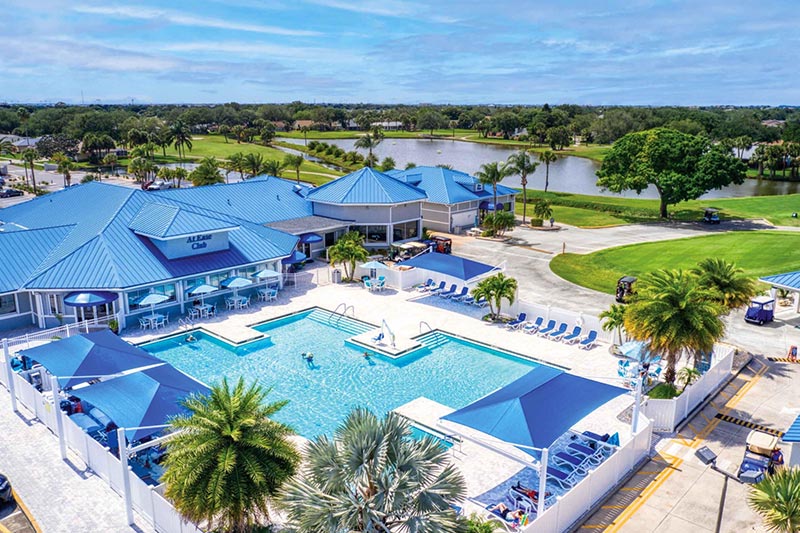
(187, 246)
(197, 241)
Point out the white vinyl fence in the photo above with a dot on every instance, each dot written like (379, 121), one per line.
(668, 414)
(44, 336)
(576, 503)
(146, 499)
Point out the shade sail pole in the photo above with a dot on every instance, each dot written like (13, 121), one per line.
(10, 376)
(542, 483)
(62, 442)
(126, 481)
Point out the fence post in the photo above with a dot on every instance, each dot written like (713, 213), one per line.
(10, 375)
(62, 440)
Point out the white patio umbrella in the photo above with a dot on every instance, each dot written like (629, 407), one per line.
(152, 299)
(267, 275)
(202, 290)
(235, 283)
(373, 266)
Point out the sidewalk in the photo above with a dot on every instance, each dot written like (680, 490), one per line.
(61, 496)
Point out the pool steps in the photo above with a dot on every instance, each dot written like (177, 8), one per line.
(344, 323)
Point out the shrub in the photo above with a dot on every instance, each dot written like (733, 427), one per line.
(663, 391)
(537, 222)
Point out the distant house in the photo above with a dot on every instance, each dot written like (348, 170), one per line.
(23, 143)
(303, 124)
(388, 125)
(773, 123)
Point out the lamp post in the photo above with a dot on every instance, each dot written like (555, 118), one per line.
(709, 458)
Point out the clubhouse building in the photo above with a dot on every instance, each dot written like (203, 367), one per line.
(111, 245)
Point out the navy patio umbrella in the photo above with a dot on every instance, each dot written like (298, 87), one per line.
(308, 238)
(296, 257)
(96, 354)
(89, 298)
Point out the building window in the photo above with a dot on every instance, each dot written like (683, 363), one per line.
(53, 301)
(168, 289)
(376, 234)
(330, 238)
(247, 272)
(405, 230)
(190, 284)
(216, 279)
(8, 304)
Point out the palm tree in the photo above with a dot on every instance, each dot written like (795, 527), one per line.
(238, 163)
(179, 174)
(522, 163)
(206, 173)
(347, 251)
(492, 174)
(674, 314)
(141, 168)
(614, 320)
(254, 164)
(65, 167)
(111, 160)
(733, 289)
(369, 141)
(274, 167)
(542, 209)
(228, 457)
(547, 157)
(29, 155)
(166, 174)
(494, 289)
(777, 499)
(181, 136)
(295, 162)
(373, 477)
(6, 146)
(304, 130)
(687, 375)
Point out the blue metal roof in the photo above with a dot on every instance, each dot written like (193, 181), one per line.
(521, 413)
(98, 250)
(22, 251)
(366, 186)
(447, 186)
(793, 432)
(159, 220)
(789, 280)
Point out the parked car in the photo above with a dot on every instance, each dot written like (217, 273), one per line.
(5, 489)
(159, 185)
(8, 193)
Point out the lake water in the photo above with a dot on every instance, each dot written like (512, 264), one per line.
(568, 174)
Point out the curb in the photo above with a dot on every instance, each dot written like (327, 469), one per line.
(26, 512)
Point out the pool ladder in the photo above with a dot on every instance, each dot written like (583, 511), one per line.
(185, 323)
(344, 307)
(421, 323)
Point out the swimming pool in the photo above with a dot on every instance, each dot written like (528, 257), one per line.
(448, 370)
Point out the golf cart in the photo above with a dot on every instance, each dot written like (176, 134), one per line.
(625, 288)
(711, 216)
(757, 456)
(761, 310)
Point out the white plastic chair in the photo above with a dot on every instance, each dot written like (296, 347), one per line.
(143, 323)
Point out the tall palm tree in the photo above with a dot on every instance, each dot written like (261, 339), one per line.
(492, 174)
(254, 164)
(228, 458)
(295, 162)
(373, 477)
(238, 163)
(111, 160)
(141, 168)
(674, 314)
(274, 167)
(29, 155)
(65, 167)
(6, 146)
(777, 499)
(304, 130)
(369, 141)
(181, 136)
(614, 320)
(547, 157)
(179, 174)
(348, 251)
(495, 289)
(522, 163)
(733, 289)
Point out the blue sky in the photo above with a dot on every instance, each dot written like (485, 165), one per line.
(635, 52)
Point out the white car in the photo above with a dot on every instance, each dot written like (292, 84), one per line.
(159, 185)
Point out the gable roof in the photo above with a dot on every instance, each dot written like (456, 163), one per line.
(787, 280)
(366, 186)
(447, 186)
(163, 221)
(28, 248)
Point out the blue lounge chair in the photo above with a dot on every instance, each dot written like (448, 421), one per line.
(469, 300)
(440, 288)
(460, 295)
(590, 340)
(551, 325)
(572, 337)
(573, 462)
(517, 323)
(558, 333)
(448, 293)
(566, 480)
(592, 456)
(532, 327)
(483, 302)
(428, 285)
(511, 525)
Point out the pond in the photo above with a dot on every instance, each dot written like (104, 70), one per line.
(568, 174)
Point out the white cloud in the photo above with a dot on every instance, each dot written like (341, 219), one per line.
(387, 8)
(181, 19)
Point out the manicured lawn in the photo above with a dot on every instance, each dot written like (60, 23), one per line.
(576, 216)
(759, 253)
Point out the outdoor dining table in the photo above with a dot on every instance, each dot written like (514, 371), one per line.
(203, 309)
(153, 320)
(237, 301)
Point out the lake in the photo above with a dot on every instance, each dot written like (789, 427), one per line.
(568, 174)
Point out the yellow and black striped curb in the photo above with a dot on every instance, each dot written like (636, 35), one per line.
(781, 360)
(749, 425)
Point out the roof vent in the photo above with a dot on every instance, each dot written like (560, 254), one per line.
(278, 197)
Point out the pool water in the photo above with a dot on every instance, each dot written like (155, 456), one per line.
(451, 371)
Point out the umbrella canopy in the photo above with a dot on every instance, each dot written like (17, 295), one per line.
(89, 298)
(374, 265)
(267, 274)
(536, 409)
(152, 299)
(296, 257)
(235, 282)
(147, 398)
(637, 351)
(308, 238)
(202, 289)
(450, 265)
(101, 353)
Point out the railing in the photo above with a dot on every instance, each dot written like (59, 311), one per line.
(61, 332)
(421, 323)
(185, 323)
(668, 414)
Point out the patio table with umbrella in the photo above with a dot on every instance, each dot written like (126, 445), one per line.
(373, 267)
(201, 290)
(152, 299)
(235, 283)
